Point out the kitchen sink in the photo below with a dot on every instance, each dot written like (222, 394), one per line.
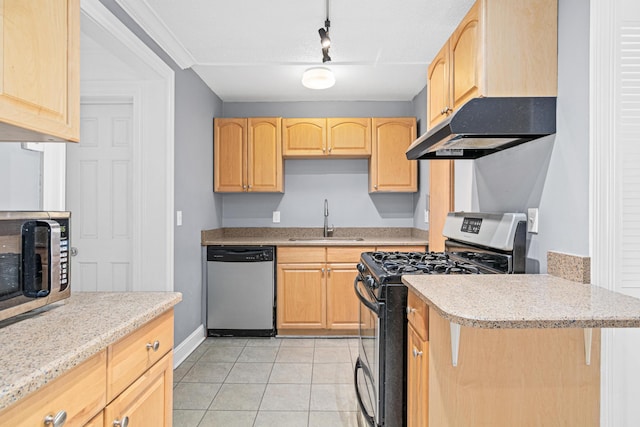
(328, 239)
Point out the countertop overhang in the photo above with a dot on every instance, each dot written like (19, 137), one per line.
(517, 301)
(44, 344)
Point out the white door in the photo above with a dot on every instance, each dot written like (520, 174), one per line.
(100, 195)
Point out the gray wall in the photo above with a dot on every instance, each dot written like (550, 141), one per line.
(195, 106)
(551, 174)
(420, 199)
(343, 182)
(20, 169)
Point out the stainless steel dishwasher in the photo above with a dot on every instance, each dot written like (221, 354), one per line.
(240, 291)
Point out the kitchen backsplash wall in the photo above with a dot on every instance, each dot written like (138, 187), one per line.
(343, 182)
(21, 187)
(420, 198)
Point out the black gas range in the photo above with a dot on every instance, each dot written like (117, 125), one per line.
(477, 243)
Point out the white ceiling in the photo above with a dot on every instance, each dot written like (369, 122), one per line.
(257, 50)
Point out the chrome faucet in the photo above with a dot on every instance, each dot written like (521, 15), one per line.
(327, 230)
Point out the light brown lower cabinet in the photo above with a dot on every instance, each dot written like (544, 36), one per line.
(417, 362)
(315, 292)
(144, 397)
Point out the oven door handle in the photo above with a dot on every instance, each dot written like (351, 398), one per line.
(371, 306)
(368, 418)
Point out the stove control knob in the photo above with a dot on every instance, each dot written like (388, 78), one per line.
(361, 268)
(371, 282)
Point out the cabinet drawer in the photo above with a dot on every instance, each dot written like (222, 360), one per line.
(130, 357)
(304, 254)
(418, 315)
(80, 392)
(349, 254)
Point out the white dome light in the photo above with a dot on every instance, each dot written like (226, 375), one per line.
(318, 78)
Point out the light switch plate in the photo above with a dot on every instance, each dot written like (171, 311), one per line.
(426, 215)
(276, 217)
(178, 218)
(532, 220)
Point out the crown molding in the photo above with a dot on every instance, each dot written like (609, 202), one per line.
(150, 22)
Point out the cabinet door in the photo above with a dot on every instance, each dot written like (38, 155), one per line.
(389, 169)
(148, 401)
(417, 380)
(229, 155)
(264, 155)
(349, 137)
(465, 58)
(440, 200)
(301, 296)
(39, 74)
(304, 137)
(342, 303)
(438, 87)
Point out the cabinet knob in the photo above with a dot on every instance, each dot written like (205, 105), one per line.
(410, 309)
(322, 269)
(416, 352)
(375, 186)
(124, 422)
(155, 346)
(74, 251)
(329, 149)
(56, 420)
(244, 187)
(249, 186)
(323, 149)
(328, 270)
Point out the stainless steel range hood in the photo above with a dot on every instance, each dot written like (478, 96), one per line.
(483, 126)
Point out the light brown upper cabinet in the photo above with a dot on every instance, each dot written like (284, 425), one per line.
(40, 89)
(248, 155)
(500, 48)
(326, 137)
(389, 169)
(349, 137)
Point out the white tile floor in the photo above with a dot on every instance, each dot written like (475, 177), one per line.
(259, 382)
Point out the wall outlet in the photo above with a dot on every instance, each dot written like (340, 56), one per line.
(178, 218)
(276, 217)
(426, 215)
(532, 220)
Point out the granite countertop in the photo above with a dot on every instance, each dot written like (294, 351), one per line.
(356, 236)
(44, 344)
(524, 301)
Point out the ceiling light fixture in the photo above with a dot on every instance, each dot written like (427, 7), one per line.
(321, 77)
(318, 78)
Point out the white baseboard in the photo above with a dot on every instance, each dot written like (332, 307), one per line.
(186, 347)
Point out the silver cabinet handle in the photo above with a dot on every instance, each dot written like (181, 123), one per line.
(155, 346)
(56, 421)
(328, 270)
(416, 353)
(323, 149)
(74, 251)
(410, 310)
(124, 422)
(322, 269)
(329, 149)
(244, 187)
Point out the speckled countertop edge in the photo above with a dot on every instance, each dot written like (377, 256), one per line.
(521, 301)
(45, 344)
(264, 236)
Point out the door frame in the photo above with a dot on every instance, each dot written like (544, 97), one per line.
(153, 104)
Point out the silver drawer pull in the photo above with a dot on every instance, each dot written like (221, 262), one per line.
(155, 346)
(124, 422)
(56, 421)
(416, 353)
(410, 310)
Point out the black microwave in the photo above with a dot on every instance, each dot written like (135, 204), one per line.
(34, 260)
